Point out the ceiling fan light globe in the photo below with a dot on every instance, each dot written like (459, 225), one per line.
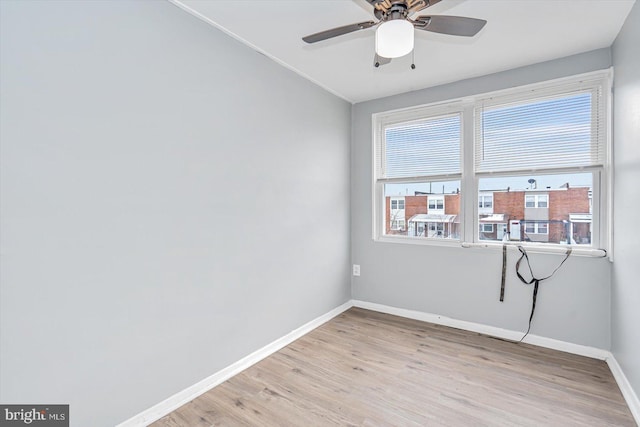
(394, 38)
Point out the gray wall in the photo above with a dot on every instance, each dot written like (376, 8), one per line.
(625, 307)
(171, 202)
(461, 283)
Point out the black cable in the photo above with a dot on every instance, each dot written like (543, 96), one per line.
(535, 281)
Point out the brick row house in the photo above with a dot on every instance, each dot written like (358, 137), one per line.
(561, 215)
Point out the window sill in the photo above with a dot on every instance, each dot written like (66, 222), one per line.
(529, 247)
(542, 249)
(423, 241)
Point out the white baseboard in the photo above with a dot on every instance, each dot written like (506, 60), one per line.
(625, 387)
(493, 331)
(174, 402)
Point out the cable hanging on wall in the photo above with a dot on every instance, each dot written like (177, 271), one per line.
(533, 281)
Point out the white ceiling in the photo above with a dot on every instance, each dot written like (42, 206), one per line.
(518, 33)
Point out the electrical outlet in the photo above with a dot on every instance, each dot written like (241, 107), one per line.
(356, 269)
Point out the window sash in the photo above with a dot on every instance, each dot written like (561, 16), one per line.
(422, 148)
(487, 228)
(542, 201)
(485, 201)
(572, 134)
(529, 201)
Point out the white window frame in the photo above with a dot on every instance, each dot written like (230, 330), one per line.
(482, 201)
(388, 119)
(437, 200)
(600, 82)
(537, 198)
(539, 227)
(536, 226)
(483, 228)
(397, 200)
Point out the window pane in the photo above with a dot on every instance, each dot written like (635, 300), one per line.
(544, 133)
(561, 215)
(430, 210)
(486, 228)
(542, 201)
(428, 147)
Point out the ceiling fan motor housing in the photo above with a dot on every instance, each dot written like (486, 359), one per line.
(398, 10)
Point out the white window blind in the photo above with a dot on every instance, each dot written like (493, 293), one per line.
(543, 132)
(423, 148)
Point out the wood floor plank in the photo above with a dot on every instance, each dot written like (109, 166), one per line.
(365, 368)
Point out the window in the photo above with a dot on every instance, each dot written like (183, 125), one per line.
(543, 228)
(485, 201)
(436, 203)
(529, 201)
(397, 204)
(419, 157)
(397, 224)
(542, 201)
(486, 228)
(535, 162)
(536, 201)
(536, 228)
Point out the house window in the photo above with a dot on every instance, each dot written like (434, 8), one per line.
(485, 201)
(397, 204)
(486, 228)
(542, 200)
(543, 146)
(397, 224)
(529, 201)
(543, 228)
(536, 201)
(536, 228)
(436, 204)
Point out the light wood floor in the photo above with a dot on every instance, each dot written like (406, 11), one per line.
(364, 368)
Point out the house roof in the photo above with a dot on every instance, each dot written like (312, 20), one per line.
(494, 219)
(580, 218)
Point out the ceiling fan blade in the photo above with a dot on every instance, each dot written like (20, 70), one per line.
(452, 25)
(335, 32)
(380, 60)
(422, 5)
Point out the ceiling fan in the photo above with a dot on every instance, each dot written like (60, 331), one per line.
(395, 34)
